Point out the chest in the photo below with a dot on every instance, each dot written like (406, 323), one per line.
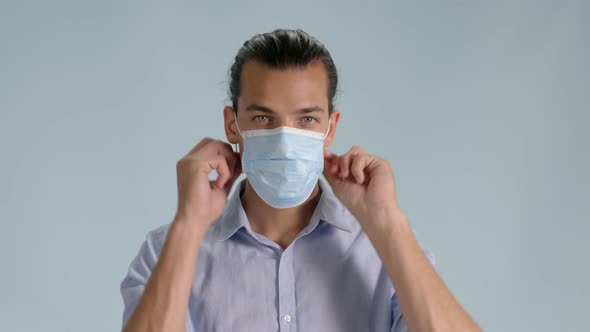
(248, 289)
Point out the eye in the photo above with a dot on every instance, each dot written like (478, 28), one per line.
(309, 120)
(260, 118)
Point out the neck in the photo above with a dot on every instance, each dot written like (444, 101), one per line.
(278, 225)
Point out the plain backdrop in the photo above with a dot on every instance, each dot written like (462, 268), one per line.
(480, 106)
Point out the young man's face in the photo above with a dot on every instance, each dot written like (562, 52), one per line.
(273, 98)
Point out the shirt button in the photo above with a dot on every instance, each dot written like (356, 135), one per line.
(287, 318)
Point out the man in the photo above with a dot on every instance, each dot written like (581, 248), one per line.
(284, 252)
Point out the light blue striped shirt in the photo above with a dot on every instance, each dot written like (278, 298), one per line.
(329, 278)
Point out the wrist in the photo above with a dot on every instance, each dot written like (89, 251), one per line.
(388, 231)
(386, 220)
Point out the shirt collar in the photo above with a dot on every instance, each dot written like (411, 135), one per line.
(328, 209)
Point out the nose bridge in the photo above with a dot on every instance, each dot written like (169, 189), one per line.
(284, 120)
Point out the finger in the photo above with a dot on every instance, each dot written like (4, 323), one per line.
(205, 141)
(237, 167)
(327, 165)
(344, 165)
(330, 166)
(334, 166)
(226, 151)
(235, 172)
(346, 161)
(229, 146)
(357, 150)
(229, 184)
(211, 146)
(330, 175)
(329, 158)
(329, 155)
(234, 163)
(357, 168)
(330, 161)
(219, 163)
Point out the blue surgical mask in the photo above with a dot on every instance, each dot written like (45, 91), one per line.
(283, 164)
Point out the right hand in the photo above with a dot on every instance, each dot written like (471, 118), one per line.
(199, 199)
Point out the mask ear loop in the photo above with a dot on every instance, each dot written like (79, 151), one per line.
(237, 146)
(329, 125)
(326, 134)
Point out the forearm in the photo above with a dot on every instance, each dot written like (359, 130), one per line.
(164, 302)
(425, 300)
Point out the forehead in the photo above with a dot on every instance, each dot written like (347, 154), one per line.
(284, 88)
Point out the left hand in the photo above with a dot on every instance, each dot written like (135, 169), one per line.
(364, 183)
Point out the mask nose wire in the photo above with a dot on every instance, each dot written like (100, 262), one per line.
(240, 132)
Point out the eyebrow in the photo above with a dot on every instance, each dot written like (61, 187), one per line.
(306, 110)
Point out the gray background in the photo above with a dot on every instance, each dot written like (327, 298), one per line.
(479, 106)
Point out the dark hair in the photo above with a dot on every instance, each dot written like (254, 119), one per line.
(283, 49)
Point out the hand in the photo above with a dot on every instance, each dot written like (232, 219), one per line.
(200, 199)
(364, 183)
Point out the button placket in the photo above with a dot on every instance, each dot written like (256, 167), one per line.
(286, 293)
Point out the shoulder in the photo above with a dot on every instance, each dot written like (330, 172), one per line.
(358, 232)
(158, 235)
(155, 238)
(154, 241)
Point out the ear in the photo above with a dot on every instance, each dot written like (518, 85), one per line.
(334, 118)
(231, 130)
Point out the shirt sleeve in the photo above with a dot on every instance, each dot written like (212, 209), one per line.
(397, 318)
(139, 272)
(137, 277)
